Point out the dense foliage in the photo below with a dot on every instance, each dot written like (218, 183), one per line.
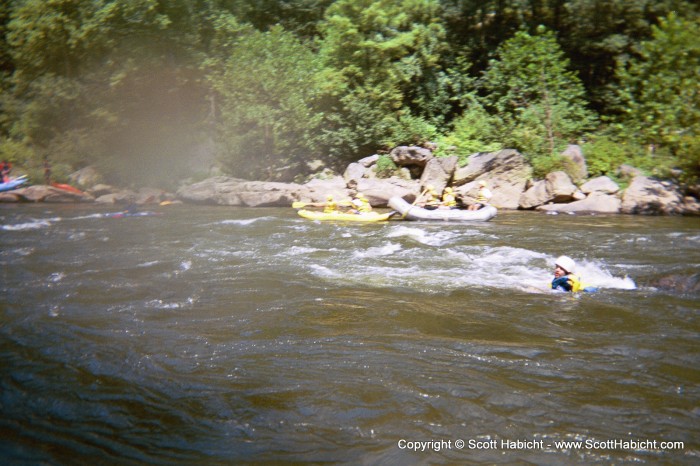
(156, 91)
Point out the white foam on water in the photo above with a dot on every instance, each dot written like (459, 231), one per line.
(596, 274)
(299, 250)
(428, 238)
(244, 222)
(459, 267)
(378, 251)
(36, 225)
(148, 264)
(57, 277)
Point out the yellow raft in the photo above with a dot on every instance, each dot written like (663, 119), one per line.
(345, 217)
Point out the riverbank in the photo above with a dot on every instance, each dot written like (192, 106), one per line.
(506, 173)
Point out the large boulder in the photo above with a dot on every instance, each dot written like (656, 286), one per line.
(405, 156)
(628, 172)
(369, 161)
(601, 184)
(574, 154)
(86, 177)
(45, 193)
(506, 172)
(124, 196)
(556, 187)
(152, 196)
(222, 190)
(101, 189)
(438, 172)
(678, 283)
(353, 173)
(317, 190)
(378, 191)
(596, 202)
(648, 196)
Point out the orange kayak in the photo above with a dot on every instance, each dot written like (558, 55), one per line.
(67, 187)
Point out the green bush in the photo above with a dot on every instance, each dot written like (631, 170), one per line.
(605, 155)
(410, 130)
(385, 166)
(474, 131)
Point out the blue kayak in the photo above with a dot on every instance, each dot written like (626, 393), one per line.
(12, 184)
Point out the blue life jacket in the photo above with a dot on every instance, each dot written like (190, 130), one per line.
(571, 283)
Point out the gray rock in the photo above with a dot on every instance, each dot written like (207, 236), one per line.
(354, 172)
(597, 202)
(506, 172)
(379, 190)
(88, 176)
(601, 184)
(648, 196)
(223, 190)
(123, 196)
(44, 193)
(410, 155)
(369, 161)
(574, 153)
(438, 172)
(555, 188)
(628, 172)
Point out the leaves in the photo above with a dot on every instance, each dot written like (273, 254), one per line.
(540, 100)
(138, 85)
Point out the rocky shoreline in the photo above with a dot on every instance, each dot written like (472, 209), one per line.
(508, 174)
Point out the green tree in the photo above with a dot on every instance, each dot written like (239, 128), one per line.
(660, 92)
(540, 101)
(268, 92)
(474, 131)
(115, 82)
(383, 72)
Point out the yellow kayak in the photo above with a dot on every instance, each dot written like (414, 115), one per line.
(345, 217)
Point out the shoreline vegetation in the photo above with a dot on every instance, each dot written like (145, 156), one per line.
(586, 104)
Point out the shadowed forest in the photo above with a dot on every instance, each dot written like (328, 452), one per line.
(155, 91)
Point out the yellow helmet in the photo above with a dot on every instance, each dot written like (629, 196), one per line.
(448, 190)
(329, 197)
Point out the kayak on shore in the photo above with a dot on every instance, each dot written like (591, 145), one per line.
(67, 187)
(14, 183)
(414, 212)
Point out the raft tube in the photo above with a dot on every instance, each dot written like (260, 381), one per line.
(413, 212)
(367, 217)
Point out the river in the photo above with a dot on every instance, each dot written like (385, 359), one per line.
(217, 335)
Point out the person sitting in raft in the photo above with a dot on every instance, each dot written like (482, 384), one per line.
(361, 204)
(564, 277)
(448, 198)
(433, 199)
(331, 206)
(482, 198)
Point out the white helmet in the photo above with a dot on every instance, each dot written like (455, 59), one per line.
(566, 263)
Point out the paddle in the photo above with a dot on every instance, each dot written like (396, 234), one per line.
(414, 202)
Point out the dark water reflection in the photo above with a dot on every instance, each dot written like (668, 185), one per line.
(220, 336)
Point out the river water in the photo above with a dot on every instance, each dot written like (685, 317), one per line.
(215, 335)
